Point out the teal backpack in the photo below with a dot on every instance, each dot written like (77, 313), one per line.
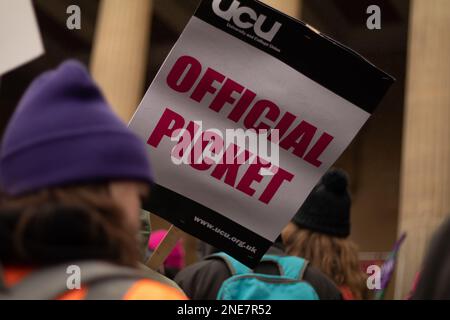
(245, 284)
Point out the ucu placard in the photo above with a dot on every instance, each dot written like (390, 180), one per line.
(246, 18)
(242, 67)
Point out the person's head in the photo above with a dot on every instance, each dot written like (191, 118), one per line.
(319, 233)
(72, 175)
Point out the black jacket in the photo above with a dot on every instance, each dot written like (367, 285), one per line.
(434, 283)
(202, 281)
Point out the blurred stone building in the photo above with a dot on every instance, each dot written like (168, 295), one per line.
(399, 164)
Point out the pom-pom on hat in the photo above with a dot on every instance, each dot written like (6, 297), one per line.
(327, 208)
(63, 132)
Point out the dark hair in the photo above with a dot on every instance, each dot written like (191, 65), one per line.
(66, 224)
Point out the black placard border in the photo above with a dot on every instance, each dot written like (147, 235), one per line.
(315, 55)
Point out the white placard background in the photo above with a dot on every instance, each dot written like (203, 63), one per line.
(270, 79)
(20, 40)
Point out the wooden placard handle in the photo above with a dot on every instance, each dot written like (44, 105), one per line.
(164, 248)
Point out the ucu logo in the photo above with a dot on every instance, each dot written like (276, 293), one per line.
(245, 18)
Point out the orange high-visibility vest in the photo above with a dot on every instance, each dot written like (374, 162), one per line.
(144, 289)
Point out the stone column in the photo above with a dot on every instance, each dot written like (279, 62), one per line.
(119, 58)
(289, 7)
(425, 176)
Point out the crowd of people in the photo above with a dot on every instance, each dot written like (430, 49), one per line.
(72, 178)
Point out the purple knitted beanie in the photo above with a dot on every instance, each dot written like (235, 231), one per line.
(64, 132)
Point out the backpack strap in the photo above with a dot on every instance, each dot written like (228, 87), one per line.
(49, 283)
(234, 266)
(291, 267)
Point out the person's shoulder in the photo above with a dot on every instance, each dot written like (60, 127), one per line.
(203, 268)
(202, 280)
(147, 289)
(324, 286)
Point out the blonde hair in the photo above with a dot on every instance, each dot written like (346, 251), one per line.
(336, 257)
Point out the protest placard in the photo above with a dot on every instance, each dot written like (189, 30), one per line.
(242, 69)
(20, 39)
